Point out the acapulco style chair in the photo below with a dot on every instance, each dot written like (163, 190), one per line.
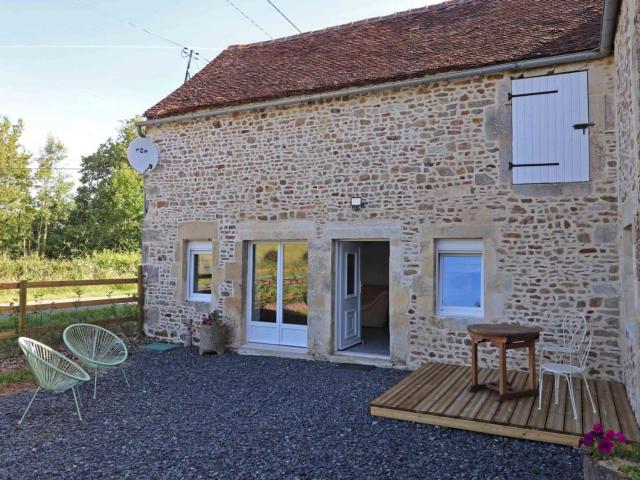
(54, 372)
(96, 348)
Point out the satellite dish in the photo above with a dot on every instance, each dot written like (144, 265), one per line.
(143, 155)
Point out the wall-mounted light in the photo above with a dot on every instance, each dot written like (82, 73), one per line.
(357, 203)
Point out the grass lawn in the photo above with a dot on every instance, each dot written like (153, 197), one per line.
(15, 376)
(49, 294)
(36, 320)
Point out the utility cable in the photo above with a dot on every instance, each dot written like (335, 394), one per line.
(284, 16)
(249, 18)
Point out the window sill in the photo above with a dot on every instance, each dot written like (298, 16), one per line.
(464, 315)
(198, 300)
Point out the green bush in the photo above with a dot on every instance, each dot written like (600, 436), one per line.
(105, 264)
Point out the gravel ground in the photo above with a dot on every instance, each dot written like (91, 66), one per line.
(187, 416)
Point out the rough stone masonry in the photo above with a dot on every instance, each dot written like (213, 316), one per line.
(432, 162)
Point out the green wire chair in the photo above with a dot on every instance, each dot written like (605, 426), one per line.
(97, 348)
(53, 371)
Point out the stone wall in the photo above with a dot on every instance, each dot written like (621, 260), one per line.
(627, 59)
(432, 162)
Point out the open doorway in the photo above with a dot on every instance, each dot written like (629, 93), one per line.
(362, 297)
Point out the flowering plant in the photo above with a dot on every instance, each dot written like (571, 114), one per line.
(212, 319)
(601, 443)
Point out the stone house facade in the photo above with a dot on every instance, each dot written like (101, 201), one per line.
(431, 160)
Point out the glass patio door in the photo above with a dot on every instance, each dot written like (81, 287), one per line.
(277, 293)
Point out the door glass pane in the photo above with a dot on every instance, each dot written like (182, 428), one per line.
(461, 277)
(264, 275)
(351, 274)
(201, 273)
(294, 283)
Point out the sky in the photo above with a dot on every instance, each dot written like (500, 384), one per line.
(76, 68)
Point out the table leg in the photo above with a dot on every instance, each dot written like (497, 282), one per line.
(474, 363)
(532, 365)
(502, 385)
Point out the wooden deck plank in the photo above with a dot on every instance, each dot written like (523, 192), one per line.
(458, 388)
(571, 425)
(405, 382)
(555, 415)
(607, 407)
(538, 416)
(522, 411)
(427, 387)
(412, 395)
(505, 410)
(456, 407)
(417, 377)
(628, 424)
(438, 394)
(442, 390)
(489, 408)
(470, 411)
(475, 426)
(588, 416)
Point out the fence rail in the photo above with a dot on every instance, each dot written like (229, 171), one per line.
(22, 307)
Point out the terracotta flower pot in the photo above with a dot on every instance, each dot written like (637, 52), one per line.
(212, 339)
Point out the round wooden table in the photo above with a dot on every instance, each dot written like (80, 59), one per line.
(504, 336)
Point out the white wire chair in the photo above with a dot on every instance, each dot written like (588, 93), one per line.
(557, 343)
(53, 371)
(97, 348)
(570, 362)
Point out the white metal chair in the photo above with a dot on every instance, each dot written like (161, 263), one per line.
(569, 365)
(53, 371)
(557, 343)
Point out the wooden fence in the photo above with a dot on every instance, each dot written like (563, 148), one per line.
(22, 307)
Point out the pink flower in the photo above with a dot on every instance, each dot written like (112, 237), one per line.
(620, 437)
(610, 435)
(586, 440)
(597, 428)
(605, 446)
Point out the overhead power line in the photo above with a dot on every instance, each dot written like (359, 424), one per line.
(98, 46)
(137, 27)
(249, 18)
(284, 16)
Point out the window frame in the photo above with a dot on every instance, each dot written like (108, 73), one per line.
(459, 247)
(197, 248)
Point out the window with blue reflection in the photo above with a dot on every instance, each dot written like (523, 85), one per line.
(461, 281)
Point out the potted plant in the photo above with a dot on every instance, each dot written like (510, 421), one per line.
(609, 455)
(213, 335)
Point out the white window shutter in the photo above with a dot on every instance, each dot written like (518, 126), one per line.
(544, 112)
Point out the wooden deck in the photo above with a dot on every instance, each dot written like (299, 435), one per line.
(437, 394)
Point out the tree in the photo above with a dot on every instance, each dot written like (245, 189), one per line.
(52, 199)
(15, 198)
(109, 206)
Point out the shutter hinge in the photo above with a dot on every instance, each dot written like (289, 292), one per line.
(546, 92)
(518, 165)
(583, 126)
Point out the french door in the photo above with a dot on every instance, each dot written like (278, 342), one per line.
(348, 293)
(277, 310)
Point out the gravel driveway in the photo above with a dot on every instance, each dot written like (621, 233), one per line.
(187, 416)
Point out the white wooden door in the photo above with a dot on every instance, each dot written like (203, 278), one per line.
(348, 295)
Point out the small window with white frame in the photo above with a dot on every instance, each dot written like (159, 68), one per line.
(199, 270)
(460, 277)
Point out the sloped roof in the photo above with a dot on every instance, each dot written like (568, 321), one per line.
(454, 35)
